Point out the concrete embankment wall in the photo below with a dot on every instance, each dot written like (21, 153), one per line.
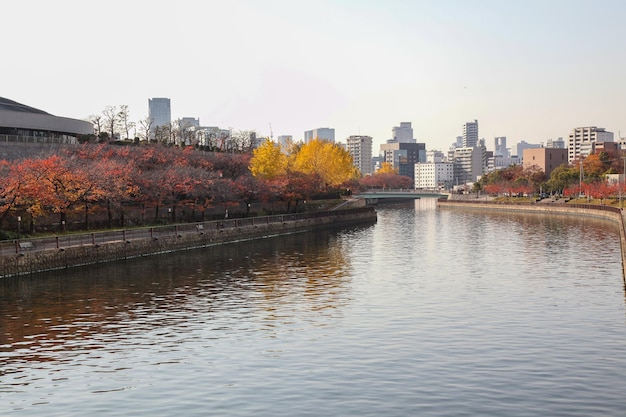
(585, 210)
(39, 261)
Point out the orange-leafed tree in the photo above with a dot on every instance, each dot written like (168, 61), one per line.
(117, 185)
(12, 184)
(386, 180)
(66, 185)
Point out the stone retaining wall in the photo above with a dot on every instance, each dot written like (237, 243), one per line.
(30, 262)
(586, 210)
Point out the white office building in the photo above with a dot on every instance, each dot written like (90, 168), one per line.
(434, 175)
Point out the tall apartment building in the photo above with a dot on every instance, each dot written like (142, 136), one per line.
(159, 111)
(470, 134)
(322, 133)
(434, 175)
(468, 164)
(360, 147)
(402, 133)
(581, 139)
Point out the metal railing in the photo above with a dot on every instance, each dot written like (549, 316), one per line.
(12, 247)
(37, 139)
(600, 207)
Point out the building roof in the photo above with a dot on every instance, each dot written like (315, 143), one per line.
(10, 105)
(17, 116)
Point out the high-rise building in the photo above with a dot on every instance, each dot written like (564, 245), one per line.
(581, 139)
(470, 134)
(360, 147)
(403, 156)
(159, 112)
(468, 164)
(402, 133)
(500, 147)
(322, 133)
(556, 143)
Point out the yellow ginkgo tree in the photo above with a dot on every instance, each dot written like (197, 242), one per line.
(326, 161)
(268, 161)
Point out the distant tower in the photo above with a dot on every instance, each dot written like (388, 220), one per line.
(470, 134)
(322, 133)
(402, 133)
(500, 147)
(159, 111)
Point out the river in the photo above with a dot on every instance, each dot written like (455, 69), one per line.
(428, 312)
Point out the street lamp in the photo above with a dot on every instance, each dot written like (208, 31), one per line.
(19, 227)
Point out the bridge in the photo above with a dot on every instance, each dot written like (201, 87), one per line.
(373, 196)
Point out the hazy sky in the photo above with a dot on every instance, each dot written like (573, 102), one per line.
(529, 70)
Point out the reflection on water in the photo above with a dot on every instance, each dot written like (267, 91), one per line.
(246, 282)
(428, 312)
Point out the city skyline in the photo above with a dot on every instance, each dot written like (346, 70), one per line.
(358, 67)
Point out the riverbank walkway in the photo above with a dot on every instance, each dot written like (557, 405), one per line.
(63, 241)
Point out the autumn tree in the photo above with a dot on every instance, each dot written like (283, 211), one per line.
(386, 180)
(13, 184)
(561, 178)
(268, 161)
(124, 120)
(97, 121)
(145, 127)
(326, 161)
(387, 168)
(110, 120)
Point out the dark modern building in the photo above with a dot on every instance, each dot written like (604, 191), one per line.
(403, 156)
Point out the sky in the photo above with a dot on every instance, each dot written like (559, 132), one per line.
(526, 69)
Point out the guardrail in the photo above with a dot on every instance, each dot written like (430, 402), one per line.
(537, 204)
(61, 241)
(36, 139)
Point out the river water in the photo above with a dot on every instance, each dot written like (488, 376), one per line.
(428, 312)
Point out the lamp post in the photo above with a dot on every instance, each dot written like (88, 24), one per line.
(19, 227)
(622, 180)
